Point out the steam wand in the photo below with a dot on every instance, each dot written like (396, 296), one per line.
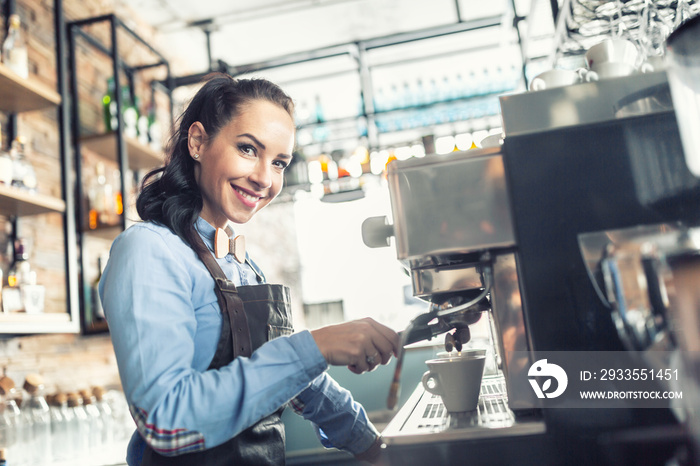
(418, 329)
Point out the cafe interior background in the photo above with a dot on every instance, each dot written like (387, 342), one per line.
(373, 81)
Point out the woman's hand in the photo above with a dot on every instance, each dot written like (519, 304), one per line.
(361, 344)
(374, 454)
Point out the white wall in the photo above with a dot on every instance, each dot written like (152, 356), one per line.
(336, 264)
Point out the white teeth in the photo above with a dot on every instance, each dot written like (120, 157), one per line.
(246, 195)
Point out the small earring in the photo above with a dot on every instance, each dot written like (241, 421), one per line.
(195, 156)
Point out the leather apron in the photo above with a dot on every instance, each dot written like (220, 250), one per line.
(252, 315)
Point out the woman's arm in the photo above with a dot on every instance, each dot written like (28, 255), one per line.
(147, 291)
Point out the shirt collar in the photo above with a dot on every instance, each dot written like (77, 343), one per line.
(207, 232)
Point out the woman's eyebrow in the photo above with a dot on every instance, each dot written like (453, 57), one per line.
(255, 140)
(262, 146)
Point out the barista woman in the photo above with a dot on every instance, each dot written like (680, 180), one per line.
(204, 345)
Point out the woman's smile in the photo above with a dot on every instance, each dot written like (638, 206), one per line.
(247, 197)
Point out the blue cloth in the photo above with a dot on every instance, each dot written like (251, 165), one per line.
(165, 323)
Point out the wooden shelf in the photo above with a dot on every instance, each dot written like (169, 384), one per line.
(18, 94)
(20, 203)
(20, 322)
(140, 156)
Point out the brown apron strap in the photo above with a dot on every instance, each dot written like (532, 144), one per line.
(229, 302)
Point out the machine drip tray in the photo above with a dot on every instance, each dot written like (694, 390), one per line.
(424, 419)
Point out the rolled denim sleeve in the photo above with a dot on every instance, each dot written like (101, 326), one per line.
(341, 422)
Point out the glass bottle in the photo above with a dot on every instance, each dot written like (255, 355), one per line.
(109, 107)
(68, 415)
(130, 114)
(11, 421)
(118, 198)
(142, 124)
(19, 273)
(94, 419)
(78, 425)
(319, 114)
(23, 175)
(21, 276)
(60, 444)
(101, 198)
(14, 49)
(106, 414)
(155, 136)
(37, 410)
(97, 310)
(6, 164)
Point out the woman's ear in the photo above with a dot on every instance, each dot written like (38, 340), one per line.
(196, 139)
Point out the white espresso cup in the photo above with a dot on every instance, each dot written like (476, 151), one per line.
(614, 70)
(457, 380)
(554, 78)
(612, 58)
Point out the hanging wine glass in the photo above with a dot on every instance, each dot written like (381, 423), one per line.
(653, 31)
(682, 13)
(612, 12)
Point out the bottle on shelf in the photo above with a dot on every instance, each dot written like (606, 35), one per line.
(60, 441)
(155, 136)
(142, 124)
(130, 114)
(70, 424)
(16, 275)
(109, 107)
(78, 425)
(23, 174)
(22, 293)
(105, 195)
(36, 413)
(6, 164)
(319, 114)
(101, 199)
(98, 312)
(11, 437)
(14, 48)
(118, 201)
(94, 420)
(106, 414)
(380, 100)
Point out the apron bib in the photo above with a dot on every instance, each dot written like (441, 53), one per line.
(252, 315)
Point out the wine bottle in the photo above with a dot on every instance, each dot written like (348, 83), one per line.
(14, 48)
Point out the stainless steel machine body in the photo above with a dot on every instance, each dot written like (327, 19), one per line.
(500, 231)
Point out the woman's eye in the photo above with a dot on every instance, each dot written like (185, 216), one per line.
(247, 149)
(281, 164)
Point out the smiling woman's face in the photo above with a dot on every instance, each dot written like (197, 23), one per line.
(241, 169)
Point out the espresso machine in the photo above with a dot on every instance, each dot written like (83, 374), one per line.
(521, 233)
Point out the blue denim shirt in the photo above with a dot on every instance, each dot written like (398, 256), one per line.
(165, 323)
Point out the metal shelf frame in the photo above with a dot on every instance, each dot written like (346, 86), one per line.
(358, 51)
(124, 147)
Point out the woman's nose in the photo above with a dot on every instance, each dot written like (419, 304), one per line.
(261, 175)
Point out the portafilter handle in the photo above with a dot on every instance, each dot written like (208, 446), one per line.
(376, 232)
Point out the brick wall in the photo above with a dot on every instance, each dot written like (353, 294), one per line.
(68, 362)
